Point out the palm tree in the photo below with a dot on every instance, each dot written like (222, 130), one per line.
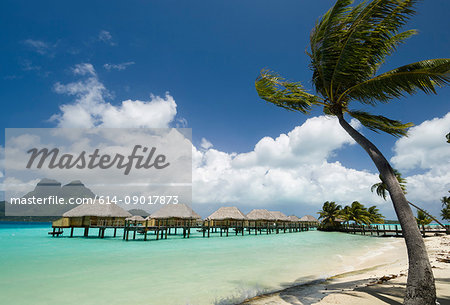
(374, 215)
(356, 212)
(381, 190)
(330, 211)
(347, 46)
(445, 212)
(423, 219)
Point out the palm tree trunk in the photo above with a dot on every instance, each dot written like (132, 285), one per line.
(420, 288)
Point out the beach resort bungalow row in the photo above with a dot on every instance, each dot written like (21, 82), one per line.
(173, 216)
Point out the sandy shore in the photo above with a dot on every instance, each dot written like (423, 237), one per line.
(381, 279)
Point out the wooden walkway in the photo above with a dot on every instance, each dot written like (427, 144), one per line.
(135, 230)
(390, 230)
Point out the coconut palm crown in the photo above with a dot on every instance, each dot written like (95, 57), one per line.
(330, 211)
(381, 188)
(347, 46)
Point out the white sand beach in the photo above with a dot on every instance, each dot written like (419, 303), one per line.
(381, 279)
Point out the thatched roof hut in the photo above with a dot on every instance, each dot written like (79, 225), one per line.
(279, 216)
(174, 215)
(93, 214)
(180, 211)
(293, 218)
(309, 218)
(260, 214)
(135, 218)
(97, 209)
(223, 213)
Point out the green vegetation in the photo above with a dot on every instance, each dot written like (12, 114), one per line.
(423, 219)
(333, 214)
(445, 212)
(329, 213)
(347, 47)
(381, 191)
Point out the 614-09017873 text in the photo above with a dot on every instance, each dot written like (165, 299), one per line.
(134, 200)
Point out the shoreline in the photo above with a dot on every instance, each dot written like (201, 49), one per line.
(371, 282)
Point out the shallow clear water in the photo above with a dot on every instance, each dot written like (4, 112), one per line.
(38, 269)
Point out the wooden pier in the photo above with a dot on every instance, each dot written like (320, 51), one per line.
(390, 230)
(133, 230)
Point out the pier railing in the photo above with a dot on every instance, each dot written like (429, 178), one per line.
(386, 230)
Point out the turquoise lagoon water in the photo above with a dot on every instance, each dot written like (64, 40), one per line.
(38, 269)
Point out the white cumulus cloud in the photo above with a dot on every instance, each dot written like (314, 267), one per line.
(425, 147)
(289, 171)
(90, 108)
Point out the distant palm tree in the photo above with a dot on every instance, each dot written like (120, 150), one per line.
(348, 45)
(381, 191)
(445, 200)
(381, 187)
(445, 212)
(330, 211)
(356, 212)
(374, 215)
(423, 219)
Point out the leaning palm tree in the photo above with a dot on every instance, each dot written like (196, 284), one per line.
(347, 46)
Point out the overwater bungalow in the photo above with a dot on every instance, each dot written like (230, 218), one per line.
(92, 215)
(225, 218)
(293, 218)
(309, 219)
(136, 219)
(260, 219)
(172, 216)
(281, 221)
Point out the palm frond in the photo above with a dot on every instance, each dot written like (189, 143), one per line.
(380, 123)
(424, 75)
(324, 41)
(371, 37)
(349, 43)
(289, 95)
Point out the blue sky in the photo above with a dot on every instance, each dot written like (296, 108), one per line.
(206, 54)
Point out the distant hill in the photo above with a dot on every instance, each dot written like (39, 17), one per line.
(49, 187)
(392, 222)
(23, 218)
(44, 189)
(138, 212)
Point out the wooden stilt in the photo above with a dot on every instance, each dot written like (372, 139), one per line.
(71, 232)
